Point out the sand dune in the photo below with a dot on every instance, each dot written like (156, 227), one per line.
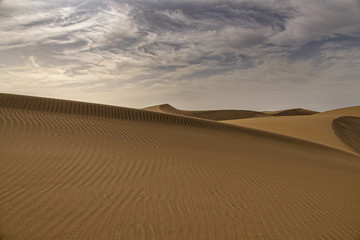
(216, 115)
(72, 170)
(316, 128)
(291, 112)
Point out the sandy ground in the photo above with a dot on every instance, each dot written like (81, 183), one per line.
(71, 170)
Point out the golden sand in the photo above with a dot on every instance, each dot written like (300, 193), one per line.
(72, 170)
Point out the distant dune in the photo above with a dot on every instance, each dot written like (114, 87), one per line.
(73, 170)
(216, 115)
(291, 112)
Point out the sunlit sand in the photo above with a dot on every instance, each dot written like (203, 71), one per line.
(73, 170)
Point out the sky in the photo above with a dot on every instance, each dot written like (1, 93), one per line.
(204, 54)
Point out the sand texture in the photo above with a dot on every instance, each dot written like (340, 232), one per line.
(72, 170)
(347, 128)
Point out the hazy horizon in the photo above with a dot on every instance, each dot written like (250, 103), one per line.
(209, 54)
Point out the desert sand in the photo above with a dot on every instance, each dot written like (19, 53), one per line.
(74, 170)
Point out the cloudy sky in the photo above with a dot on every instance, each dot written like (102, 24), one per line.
(204, 54)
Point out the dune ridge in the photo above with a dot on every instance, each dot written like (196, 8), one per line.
(73, 170)
(95, 110)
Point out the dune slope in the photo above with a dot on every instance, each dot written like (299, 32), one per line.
(348, 111)
(313, 128)
(73, 170)
(316, 128)
(348, 130)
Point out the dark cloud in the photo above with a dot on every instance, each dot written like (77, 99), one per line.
(168, 68)
(247, 61)
(38, 23)
(206, 73)
(180, 16)
(315, 49)
(225, 59)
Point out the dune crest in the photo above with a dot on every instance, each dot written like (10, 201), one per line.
(348, 111)
(96, 110)
(71, 170)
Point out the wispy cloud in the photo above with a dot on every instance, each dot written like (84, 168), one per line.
(202, 54)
